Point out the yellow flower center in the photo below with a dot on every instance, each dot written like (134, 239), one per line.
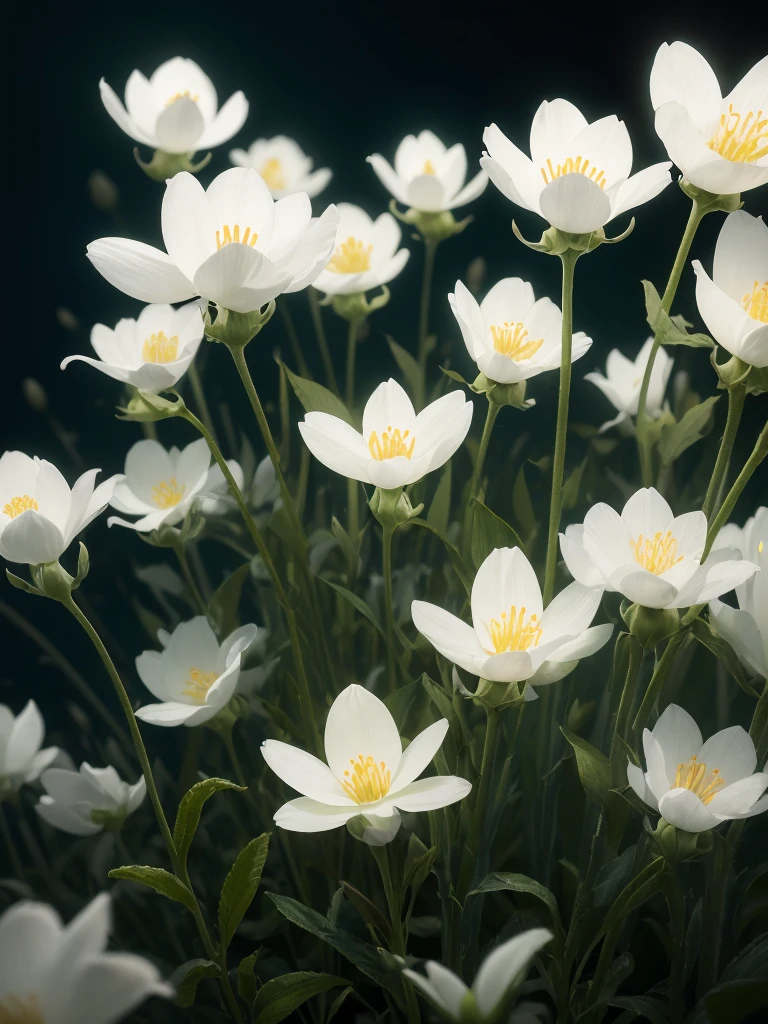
(693, 775)
(512, 632)
(198, 684)
(272, 173)
(755, 303)
(21, 1010)
(186, 95)
(760, 548)
(158, 348)
(570, 166)
(392, 444)
(21, 503)
(743, 139)
(509, 339)
(227, 235)
(428, 168)
(167, 493)
(657, 555)
(367, 781)
(351, 257)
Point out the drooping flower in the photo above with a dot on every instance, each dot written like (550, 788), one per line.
(396, 447)
(22, 756)
(284, 166)
(497, 981)
(694, 785)
(512, 637)
(578, 175)
(720, 145)
(194, 676)
(427, 176)
(734, 302)
(85, 802)
(511, 335)
(231, 244)
(623, 380)
(39, 515)
(58, 975)
(176, 109)
(151, 352)
(366, 254)
(650, 555)
(746, 627)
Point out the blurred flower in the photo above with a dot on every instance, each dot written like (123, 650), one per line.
(283, 165)
(231, 244)
(512, 636)
(499, 977)
(58, 975)
(401, 447)
(623, 380)
(152, 352)
(577, 177)
(39, 515)
(194, 676)
(694, 785)
(427, 176)
(103, 192)
(734, 302)
(367, 773)
(176, 109)
(746, 627)
(511, 335)
(264, 489)
(21, 757)
(649, 555)
(85, 802)
(366, 254)
(720, 145)
(215, 499)
(35, 395)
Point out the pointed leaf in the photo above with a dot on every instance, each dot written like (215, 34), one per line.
(222, 608)
(240, 887)
(408, 366)
(439, 515)
(279, 997)
(697, 422)
(489, 531)
(315, 398)
(190, 808)
(186, 978)
(158, 879)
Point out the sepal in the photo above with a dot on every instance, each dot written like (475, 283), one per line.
(732, 373)
(374, 830)
(392, 507)
(235, 330)
(709, 202)
(357, 307)
(147, 407)
(675, 844)
(164, 165)
(649, 626)
(433, 227)
(555, 242)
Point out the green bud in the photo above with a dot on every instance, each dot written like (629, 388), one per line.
(53, 581)
(147, 407)
(676, 845)
(165, 165)
(235, 330)
(499, 695)
(393, 507)
(649, 626)
(555, 242)
(356, 308)
(502, 394)
(709, 202)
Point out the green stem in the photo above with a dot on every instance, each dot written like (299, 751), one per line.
(477, 470)
(200, 400)
(718, 869)
(322, 342)
(568, 259)
(189, 578)
(293, 339)
(386, 562)
(618, 756)
(675, 902)
(349, 387)
(480, 811)
(13, 855)
(430, 249)
(353, 516)
(657, 681)
(736, 397)
(398, 946)
(758, 454)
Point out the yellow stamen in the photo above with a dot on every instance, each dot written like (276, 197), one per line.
(428, 168)
(21, 1010)
(570, 166)
(392, 444)
(351, 257)
(21, 503)
(509, 339)
(228, 235)
(198, 684)
(272, 173)
(367, 781)
(513, 633)
(755, 303)
(186, 95)
(158, 348)
(760, 548)
(694, 776)
(742, 139)
(167, 493)
(656, 555)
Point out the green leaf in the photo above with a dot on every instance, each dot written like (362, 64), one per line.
(356, 602)
(369, 912)
(160, 880)
(278, 998)
(453, 375)
(222, 608)
(510, 882)
(670, 330)
(593, 766)
(246, 978)
(335, 1006)
(489, 531)
(190, 808)
(315, 398)
(240, 887)
(723, 651)
(697, 422)
(439, 515)
(408, 366)
(522, 506)
(186, 978)
(572, 486)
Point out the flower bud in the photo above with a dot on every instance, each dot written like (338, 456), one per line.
(53, 581)
(67, 319)
(146, 407)
(433, 227)
(35, 395)
(475, 275)
(103, 192)
(235, 330)
(676, 845)
(649, 626)
(499, 695)
(393, 507)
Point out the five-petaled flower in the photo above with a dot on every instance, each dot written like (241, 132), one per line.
(283, 165)
(623, 379)
(366, 254)
(87, 801)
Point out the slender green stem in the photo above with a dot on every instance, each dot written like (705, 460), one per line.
(386, 561)
(660, 674)
(674, 896)
(293, 339)
(349, 385)
(568, 260)
(477, 469)
(718, 868)
(353, 524)
(758, 454)
(758, 729)
(311, 732)
(480, 811)
(200, 399)
(430, 249)
(226, 735)
(322, 341)
(398, 946)
(13, 855)
(189, 578)
(618, 757)
(736, 397)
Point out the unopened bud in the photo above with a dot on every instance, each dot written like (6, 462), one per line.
(103, 192)
(67, 319)
(476, 272)
(34, 394)
(649, 626)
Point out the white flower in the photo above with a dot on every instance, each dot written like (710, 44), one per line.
(734, 302)
(367, 773)
(500, 975)
(193, 676)
(39, 515)
(21, 738)
(427, 176)
(231, 244)
(83, 802)
(283, 165)
(396, 447)
(623, 380)
(366, 254)
(152, 352)
(176, 109)
(512, 637)
(694, 785)
(215, 499)
(746, 627)
(265, 489)
(511, 335)
(720, 145)
(58, 975)
(649, 555)
(577, 177)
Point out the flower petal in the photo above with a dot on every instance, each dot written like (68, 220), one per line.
(305, 815)
(305, 773)
(139, 270)
(732, 752)
(738, 798)
(360, 724)
(227, 122)
(684, 810)
(336, 444)
(430, 794)
(419, 754)
(574, 203)
(507, 966)
(679, 737)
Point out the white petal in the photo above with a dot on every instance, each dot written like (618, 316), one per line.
(679, 738)
(189, 223)
(732, 752)
(305, 773)
(454, 639)
(121, 117)
(418, 754)
(507, 965)
(389, 179)
(305, 815)
(505, 579)
(359, 723)
(139, 270)
(640, 188)
(636, 779)
(228, 122)
(574, 203)
(173, 713)
(431, 794)
(590, 641)
(179, 126)
(684, 810)
(571, 611)
(681, 75)
(738, 798)
(336, 444)
(31, 538)
(471, 191)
